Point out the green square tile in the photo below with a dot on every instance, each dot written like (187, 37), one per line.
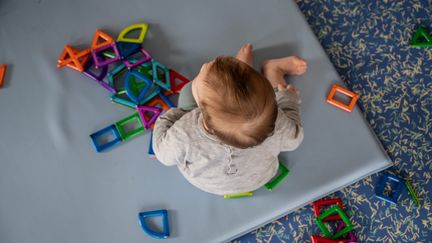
(121, 125)
(344, 217)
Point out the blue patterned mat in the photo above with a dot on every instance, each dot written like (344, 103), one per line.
(368, 43)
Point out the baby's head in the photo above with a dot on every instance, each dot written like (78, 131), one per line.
(237, 102)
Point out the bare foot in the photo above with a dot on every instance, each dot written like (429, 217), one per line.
(291, 65)
(245, 54)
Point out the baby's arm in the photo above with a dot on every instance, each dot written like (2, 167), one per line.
(291, 129)
(165, 141)
(287, 98)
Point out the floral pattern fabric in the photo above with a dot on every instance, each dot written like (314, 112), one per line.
(368, 43)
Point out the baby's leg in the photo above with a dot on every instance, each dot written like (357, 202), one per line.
(245, 54)
(275, 69)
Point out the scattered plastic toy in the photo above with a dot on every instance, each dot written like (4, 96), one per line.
(134, 63)
(2, 74)
(166, 100)
(158, 213)
(148, 122)
(142, 26)
(245, 194)
(150, 152)
(319, 239)
(283, 172)
(326, 202)
(121, 127)
(421, 32)
(100, 62)
(158, 102)
(126, 48)
(163, 83)
(73, 58)
(152, 94)
(175, 88)
(350, 238)
(347, 107)
(132, 87)
(100, 35)
(381, 186)
(412, 194)
(106, 132)
(97, 77)
(335, 209)
(122, 102)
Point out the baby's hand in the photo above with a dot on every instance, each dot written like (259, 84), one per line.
(289, 88)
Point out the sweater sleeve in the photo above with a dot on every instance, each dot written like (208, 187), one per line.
(165, 139)
(291, 130)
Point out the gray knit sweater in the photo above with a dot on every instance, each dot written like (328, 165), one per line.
(179, 138)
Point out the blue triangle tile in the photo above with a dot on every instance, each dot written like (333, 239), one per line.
(127, 49)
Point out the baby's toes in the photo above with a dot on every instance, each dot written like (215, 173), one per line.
(245, 54)
(248, 47)
(301, 66)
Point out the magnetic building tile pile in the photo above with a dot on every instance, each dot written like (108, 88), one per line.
(134, 78)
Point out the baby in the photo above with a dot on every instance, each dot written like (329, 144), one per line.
(231, 124)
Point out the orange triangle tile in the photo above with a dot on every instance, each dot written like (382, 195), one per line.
(100, 39)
